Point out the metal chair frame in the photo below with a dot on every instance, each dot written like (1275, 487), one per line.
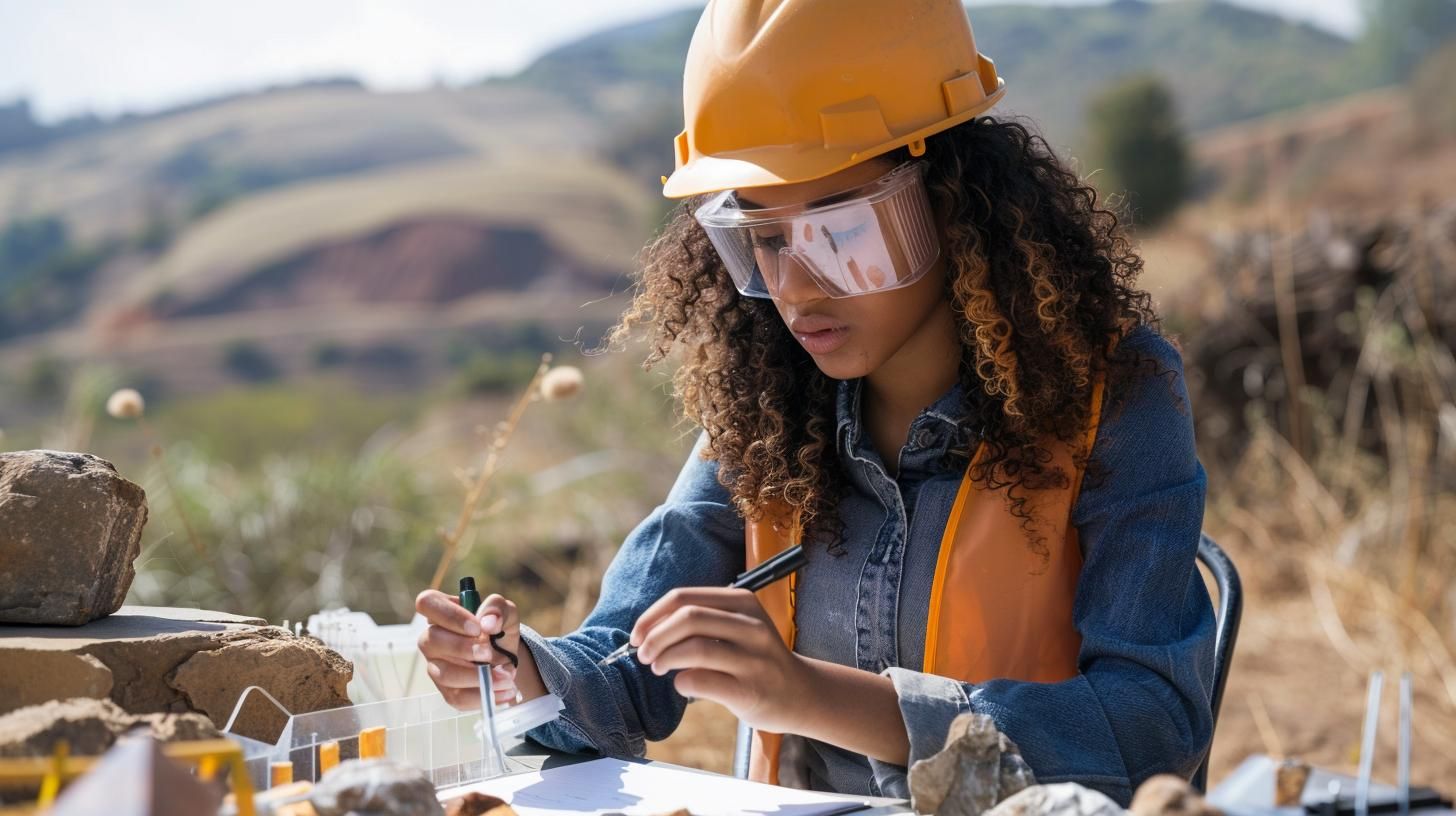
(1230, 612)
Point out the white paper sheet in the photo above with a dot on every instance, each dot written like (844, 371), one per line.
(614, 786)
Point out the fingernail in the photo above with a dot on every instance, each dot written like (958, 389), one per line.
(472, 629)
(490, 622)
(481, 652)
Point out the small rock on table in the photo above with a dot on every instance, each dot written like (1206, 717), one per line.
(978, 767)
(375, 787)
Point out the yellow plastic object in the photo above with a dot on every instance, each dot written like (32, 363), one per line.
(328, 757)
(784, 91)
(371, 743)
(280, 773)
(51, 785)
(207, 756)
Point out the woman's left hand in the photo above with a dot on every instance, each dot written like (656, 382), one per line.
(725, 649)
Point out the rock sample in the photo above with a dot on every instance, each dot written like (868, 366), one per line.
(375, 787)
(157, 660)
(70, 527)
(90, 727)
(1168, 795)
(479, 804)
(978, 767)
(1063, 799)
(1289, 780)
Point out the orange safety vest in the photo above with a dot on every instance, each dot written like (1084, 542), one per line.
(998, 609)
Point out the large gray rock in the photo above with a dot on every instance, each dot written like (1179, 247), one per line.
(375, 787)
(1063, 799)
(978, 767)
(70, 527)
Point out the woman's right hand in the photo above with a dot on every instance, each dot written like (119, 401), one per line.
(456, 641)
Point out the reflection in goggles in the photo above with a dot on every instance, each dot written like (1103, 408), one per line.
(878, 236)
(840, 256)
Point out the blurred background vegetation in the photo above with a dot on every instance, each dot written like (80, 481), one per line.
(329, 295)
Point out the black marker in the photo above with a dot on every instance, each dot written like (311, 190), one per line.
(780, 566)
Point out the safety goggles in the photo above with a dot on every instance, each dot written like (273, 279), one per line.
(872, 238)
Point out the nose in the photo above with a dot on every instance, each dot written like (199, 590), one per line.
(795, 285)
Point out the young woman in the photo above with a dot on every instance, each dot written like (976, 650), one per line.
(914, 344)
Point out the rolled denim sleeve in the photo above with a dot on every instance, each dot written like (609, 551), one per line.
(1140, 703)
(694, 538)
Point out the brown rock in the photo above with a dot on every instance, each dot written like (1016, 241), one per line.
(978, 767)
(1289, 780)
(90, 727)
(1062, 799)
(152, 658)
(479, 804)
(70, 527)
(375, 787)
(1168, 795)
(301, 672)
(46, 676)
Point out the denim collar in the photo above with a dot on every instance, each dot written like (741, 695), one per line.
(938, 430)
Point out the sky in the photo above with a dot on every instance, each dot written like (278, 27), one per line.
(108, 56)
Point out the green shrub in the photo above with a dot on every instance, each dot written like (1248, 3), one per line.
(1138, 142)
(249, 361)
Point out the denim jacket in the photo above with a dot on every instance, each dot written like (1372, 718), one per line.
(1140, 703)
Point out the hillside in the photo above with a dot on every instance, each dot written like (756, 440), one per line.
(261, 201)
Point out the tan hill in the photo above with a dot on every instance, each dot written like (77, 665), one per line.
(300, 208)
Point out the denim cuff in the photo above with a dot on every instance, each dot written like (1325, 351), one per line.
(928, 702)
(565, 734)
(555, 674)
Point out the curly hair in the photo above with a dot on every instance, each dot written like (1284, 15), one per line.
(1040, 277)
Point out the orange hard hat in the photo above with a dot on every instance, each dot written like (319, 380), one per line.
(783, 91)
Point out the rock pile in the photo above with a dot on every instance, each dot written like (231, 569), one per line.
(154, 660)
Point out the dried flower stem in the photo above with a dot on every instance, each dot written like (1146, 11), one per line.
(477, 487)
(157, 453)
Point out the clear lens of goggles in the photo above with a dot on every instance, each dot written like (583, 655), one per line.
(872, 238)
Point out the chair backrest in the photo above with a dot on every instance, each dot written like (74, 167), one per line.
(1230, 610)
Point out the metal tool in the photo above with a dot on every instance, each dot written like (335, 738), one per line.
(1405, 799)
(1367, 744)
(1403, 759)
(470, 599)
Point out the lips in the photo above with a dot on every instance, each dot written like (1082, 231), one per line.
(810, 324)
(819, 334)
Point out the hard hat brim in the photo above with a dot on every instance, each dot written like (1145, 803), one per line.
(776, 164)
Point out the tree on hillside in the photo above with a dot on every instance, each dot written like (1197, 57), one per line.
(1140, 146)
(1400, 33)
